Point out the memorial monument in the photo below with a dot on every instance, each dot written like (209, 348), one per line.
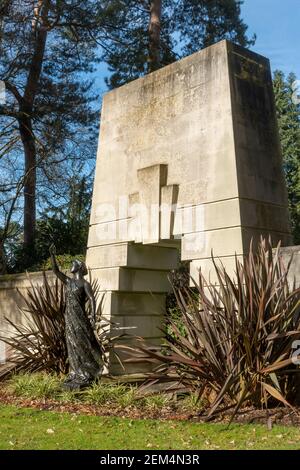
(189, 161)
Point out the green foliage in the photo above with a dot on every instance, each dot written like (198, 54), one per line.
(192, 404)
(64, 223)
(9, 242)
(180, 279)
(103, 394)
(45, 385)
(67, 396)
(174, 317)
(69, 241)
(64, 261)
(38, 385)
(127, 54)
(202, 23)
(237, 343)
(157, 402)
(196, 23)
(288, 114)
(110, 394)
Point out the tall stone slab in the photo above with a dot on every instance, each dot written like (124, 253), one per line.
(188, 157)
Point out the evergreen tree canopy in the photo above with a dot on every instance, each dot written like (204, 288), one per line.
(185, 27)
(47, 50)
(202, 23)
(127, 52)
(288, 114)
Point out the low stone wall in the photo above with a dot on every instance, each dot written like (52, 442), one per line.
(294, 272)
(12, 287)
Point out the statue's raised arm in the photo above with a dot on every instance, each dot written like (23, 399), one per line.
(55, 268)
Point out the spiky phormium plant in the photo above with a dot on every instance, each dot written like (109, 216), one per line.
(235, 342)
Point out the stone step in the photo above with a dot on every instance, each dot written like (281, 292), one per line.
(132, 255)
(132, 280)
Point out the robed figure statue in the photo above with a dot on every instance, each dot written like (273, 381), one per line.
(84, 352)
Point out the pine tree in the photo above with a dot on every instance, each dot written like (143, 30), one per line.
(202, 23)
(138, 44)
(288, 115)
(149, 34)
(47, 50)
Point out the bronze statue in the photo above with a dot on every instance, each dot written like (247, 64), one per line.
(84, 352)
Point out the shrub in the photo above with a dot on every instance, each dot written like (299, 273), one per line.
(234, 346)
(157, 402)
(110, 394)
(64, 261)
(40, 344)
(39, 385)
(191, 403)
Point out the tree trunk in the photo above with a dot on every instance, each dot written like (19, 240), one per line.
(25, 127)
(3, 267)
(154, 35)
(25, 121)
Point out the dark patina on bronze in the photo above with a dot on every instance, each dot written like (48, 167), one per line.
(84, 352)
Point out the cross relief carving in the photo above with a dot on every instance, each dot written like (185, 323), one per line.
(153, 207)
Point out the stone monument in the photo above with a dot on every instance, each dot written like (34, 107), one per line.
(189, 157)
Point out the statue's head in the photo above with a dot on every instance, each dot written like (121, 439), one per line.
(79, 266)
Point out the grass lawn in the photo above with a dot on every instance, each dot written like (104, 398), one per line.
(24, 428)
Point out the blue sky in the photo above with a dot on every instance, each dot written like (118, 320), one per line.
(277, 25)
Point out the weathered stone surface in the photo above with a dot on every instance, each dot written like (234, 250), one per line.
(133, 304)
(169, 197)
(259, 168)
(207, 268)
(294, 271)
(142, 326)
(200, 134)
(209, 272)
(132, 255)
(132, 280)
(150, 182)
(2, 352)
(223, 242)
(179, 116)
(12, 287)
(209, 119)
